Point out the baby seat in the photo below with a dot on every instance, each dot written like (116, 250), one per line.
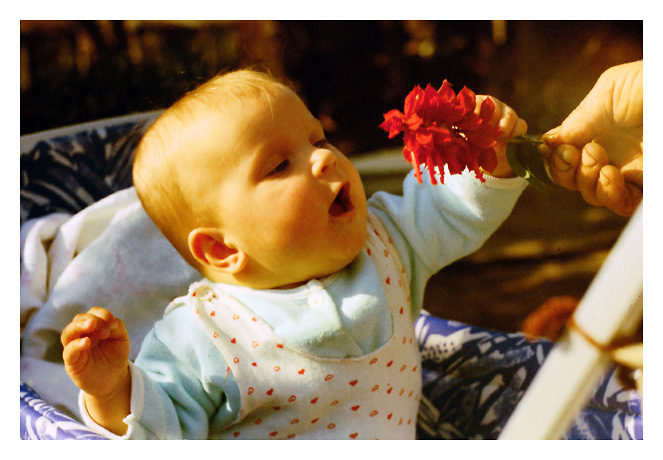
(85, 241)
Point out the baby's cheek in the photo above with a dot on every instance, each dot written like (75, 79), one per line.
(295, 214)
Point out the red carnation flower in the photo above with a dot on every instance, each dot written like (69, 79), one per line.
(440, 128)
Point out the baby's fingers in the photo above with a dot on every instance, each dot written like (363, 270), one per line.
(510, 124)
(500, 107)
(111, 327)
(519, 129)
(81, 326)
(73, 352)
(98, 324)
(503, 116)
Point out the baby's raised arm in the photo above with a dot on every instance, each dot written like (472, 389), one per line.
(96, 357)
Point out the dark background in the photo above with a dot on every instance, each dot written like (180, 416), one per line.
(349, 73)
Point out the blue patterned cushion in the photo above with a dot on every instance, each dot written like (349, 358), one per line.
(473, 378)
(41, 421)
(67, 170)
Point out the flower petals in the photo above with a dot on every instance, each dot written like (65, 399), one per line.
(442, 129)
(393, 123)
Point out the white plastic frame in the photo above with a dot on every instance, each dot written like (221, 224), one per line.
(611, 308)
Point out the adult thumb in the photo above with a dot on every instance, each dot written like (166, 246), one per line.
(615, 101)
(586, 121)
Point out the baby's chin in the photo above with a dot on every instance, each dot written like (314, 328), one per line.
(322, 271)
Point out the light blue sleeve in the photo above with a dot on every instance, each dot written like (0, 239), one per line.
(434, 225)
(180, 389)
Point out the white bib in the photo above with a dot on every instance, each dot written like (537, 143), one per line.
(287, 393)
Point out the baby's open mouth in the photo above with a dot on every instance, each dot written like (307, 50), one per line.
(342, 203)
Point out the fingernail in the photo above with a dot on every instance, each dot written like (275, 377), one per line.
(550, 135)
(568, 154)
(560, 162)
(605, 180)
(114, 324)
(588, 160)
(543, 149)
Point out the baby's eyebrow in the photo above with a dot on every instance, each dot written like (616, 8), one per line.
(318, 124)
(259, 156)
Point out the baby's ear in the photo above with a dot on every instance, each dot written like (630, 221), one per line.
(208, 247)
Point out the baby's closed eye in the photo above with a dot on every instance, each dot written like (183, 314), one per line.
(282, 166)
(322, 143)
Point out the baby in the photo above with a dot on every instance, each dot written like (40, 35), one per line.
(303, 324)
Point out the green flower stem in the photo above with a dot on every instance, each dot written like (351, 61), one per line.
(523, 156)
(522, 140)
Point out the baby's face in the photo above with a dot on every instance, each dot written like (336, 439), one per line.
(281, 193)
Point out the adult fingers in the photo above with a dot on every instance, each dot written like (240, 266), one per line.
(635, 192)
(614, 193)
(581, 126)
(589, 119)
(563, 165)
(633, 172)
(593, 158)
(546, 153)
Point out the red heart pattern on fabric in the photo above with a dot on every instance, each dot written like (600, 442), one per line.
(355, 404)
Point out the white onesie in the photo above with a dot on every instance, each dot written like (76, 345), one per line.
(287, 393)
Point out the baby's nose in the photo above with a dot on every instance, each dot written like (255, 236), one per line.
(322, 160)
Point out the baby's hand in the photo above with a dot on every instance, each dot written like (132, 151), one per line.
(96, 352)
(510, 125)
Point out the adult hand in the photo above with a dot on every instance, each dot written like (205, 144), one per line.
(597, 150)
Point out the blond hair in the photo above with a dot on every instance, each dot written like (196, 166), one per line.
(173, 135)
